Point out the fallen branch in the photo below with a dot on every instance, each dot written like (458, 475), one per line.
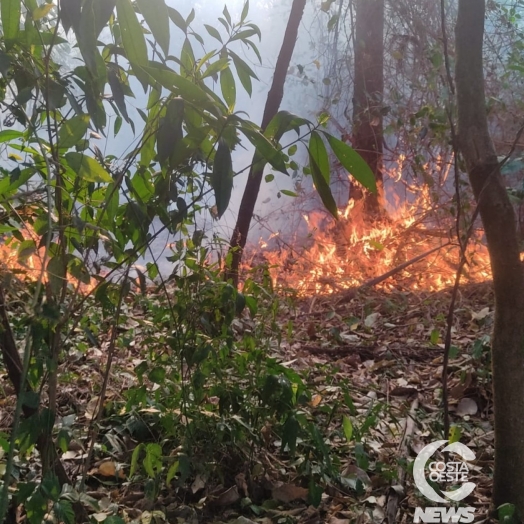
(351, 293)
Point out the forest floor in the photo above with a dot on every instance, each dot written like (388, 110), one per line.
(372, 365)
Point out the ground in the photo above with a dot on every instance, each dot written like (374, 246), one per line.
(370, 364)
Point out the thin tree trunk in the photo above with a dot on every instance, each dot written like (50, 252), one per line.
(368, 94)
(50, 460)
(274, 99)
(498, 218)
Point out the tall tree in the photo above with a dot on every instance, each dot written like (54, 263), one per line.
(369, 91)
(498, 218)
(274, 99)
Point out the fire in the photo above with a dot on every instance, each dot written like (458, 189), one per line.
(344, 254)
(28, 264)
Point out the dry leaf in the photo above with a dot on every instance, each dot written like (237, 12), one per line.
(288, 493)
(228, 497)
(109, 469)
(198, 484)
(315, 401)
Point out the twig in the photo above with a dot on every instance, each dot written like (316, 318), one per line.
(348, 295)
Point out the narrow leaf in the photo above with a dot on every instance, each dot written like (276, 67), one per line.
(174, 82)
(156, 15)
(244, 72)
(10, 11)
(347, 426)
(229, 91)
(177, 19)
(322, 187)
(117, 89)
(222, 177)
(266, 150)
(70, 11)
(318, 151)
(10, 134)
(133, 39)
(213, 32)
(353, 162)
(245, 11)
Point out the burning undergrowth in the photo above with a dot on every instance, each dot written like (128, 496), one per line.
(414, 247)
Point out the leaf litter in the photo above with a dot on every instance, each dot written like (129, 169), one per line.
(373, 367)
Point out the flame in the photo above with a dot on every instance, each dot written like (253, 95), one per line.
(344, 254)
(29, 267)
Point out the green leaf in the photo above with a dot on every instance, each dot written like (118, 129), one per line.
(245, 11)
(63, 439)
(170, 134)
(435, 336)
(64, 512)
(227, 15)
(113, 77)
(283, 122)
(215, 67)
(318, 151)
(117, 125)
(347, 426)
(222, 177)
(187, 57)
(10, 134)
(94, 17)
(177, 19)
(322, 187)
(213, 32)
(266, 150)
(10, 11)
(153, 462)
(288, 193)
(244, 72)
(70, 11)
(157, 375)
(87, 168)
(353, 162)
(134, 459)
(243, 35)
(172, 471)
(26, 249)
(178, 84)
(229, 90)
(147, 151)
(455, 433)
(290, 434)
(40, 38)
(133, 39)
(73, 130)
(156, 15)
(56, 272)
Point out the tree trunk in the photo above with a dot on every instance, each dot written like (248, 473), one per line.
(274, 99)
(498, 218)
(368, 95)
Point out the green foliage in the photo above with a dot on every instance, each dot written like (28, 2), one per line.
(82, 215)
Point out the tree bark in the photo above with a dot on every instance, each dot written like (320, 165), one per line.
(498, 218)
(274, 99)
(368, 95)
